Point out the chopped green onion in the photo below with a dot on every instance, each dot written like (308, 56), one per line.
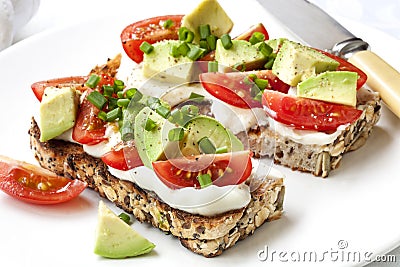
(206, 146)
(146, 48)
(174, 51)
(102, 115)
(168, 24)
(269, 63)
(196, 97)
(163, 111)
(176, 134)
(258, 96)
(204, 31)
(108, 90)
(134, 94)
(125, 217)
(265, 49)
(185, 35)
(261, 83)
(256, 38)
(195, 52)
(176, 116)
(93, 81)
(212, 66)
(112, 103)
(123, 103)
(120, 94)
(183, 49)
(97, 99)
(226, 41)
(190, 110)
(150, 125)
(204, 180)
(249, 79)
(118, 85)
(212, 41)
(203, 44)
(153, 102)
(222, 149)
(114, 114)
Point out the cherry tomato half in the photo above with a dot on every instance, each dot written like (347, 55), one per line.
(38, 87)
(36, 185)
(123, 157)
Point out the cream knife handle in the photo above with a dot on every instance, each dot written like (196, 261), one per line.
(382, 78)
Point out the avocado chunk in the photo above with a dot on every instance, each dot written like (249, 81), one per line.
(116, 239)
(295, 63)
(208, 12)
(275, 44)
(241, 53)
(161, 65)
(332, 86)
(203, 126)
(153, 144)
(58, 111)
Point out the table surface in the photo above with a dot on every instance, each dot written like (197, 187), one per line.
(380, 15)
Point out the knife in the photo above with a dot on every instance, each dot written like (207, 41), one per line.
(316, 28)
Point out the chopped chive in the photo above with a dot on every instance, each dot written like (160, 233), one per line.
(134, 94)
(196, 97)
(183, 49)
(102, 115)
(256, 37)
(204, 180)
(123, 103)
(150, 125)
(146, 48)
(190, 110)
(222, 149)
(168, 24)
(120, 94)
(206, 146)
(204, 31)
(265, 49)
(108, 90)
(93, 81)
(261, 83)
(176, 134)
(212, 41)
(125, 217)
(269, 63)
(118, 85)
(186, 35)
(195, 52)
(114, 114)
(112, 103)
(174, 51)
(163, 111)
(212, 66)
(226, 41)
(203, 44)
(249, 79)
(97, 99)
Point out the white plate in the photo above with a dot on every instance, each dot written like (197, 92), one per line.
(356, 204)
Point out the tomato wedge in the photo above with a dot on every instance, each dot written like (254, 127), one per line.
(89, 129)
(123, 157)
(347, 66)
(150, 30)
(255, 28)
(38, 87)
(225, 169)
(34, 184)
(231, 88)
(308, 114)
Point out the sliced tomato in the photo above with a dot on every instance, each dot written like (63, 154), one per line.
(255, 28)
(225, 169)
(34, 184)
(150, 30)
(347, 66)
(308, 114)
(38, 87)
(89, 129)
(123, 157)
(232, 88)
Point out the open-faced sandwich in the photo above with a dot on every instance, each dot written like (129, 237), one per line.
(183, 144)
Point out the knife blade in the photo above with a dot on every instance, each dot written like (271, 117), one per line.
(314, 27)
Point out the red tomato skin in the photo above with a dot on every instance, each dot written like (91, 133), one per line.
(38, 87)
(255, 28)
(183, 172)
(308, 114)
(58, 189)
(149, 30)
(123, 158)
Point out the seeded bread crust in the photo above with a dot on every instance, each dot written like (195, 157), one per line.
(207, 236)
